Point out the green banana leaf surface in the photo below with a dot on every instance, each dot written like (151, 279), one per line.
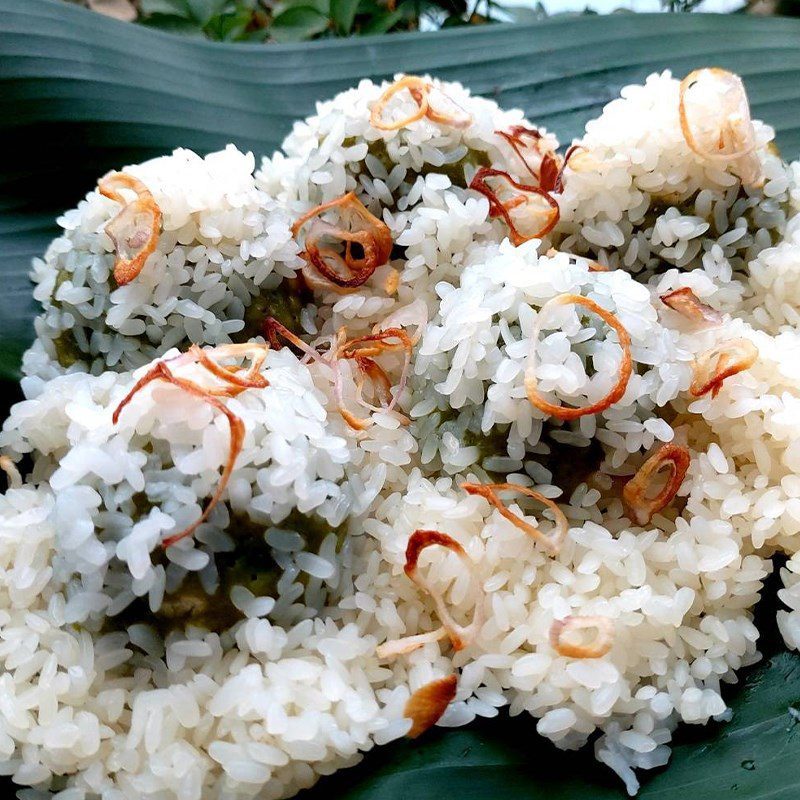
(81, 94)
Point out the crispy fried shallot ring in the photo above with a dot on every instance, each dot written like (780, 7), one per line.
(135, 229)
(544, 165)
(11, 471)
(715, 121)
(461, 636)
(625, 367)
(235, 384)
(356, 227)
(720, 362)
(431, 102)
(550, 542)
(673, 457)
(417, 88)
(541, 164)
(361, 351)
(691, 307)
(428, 703)
(520, 199)
(251, 379)
(598, 647)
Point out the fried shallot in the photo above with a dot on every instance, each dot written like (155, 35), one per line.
(720, 362)
(431, 102)
(552, 541)
(686, 303)
(715, 121)
(625, 366)
(135, 229)
(366, 240)
(564, 641)
(428, 703)
(362, 352)
(529, 211)
(232, 384)
(675, 458)
(461, 636)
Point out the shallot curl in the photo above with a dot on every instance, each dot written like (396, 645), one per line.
(625, 367)
(602, 642)
(461, 636)
(523, 198)
(431, 102)
(686, 303)
(550, 542)
(233, 383)
(135, 229)
(326, 267)
(720, 362)
(540, 161)
(673, 457)
(715, 121)
(531, 148)
(428, 703)
(361, 351)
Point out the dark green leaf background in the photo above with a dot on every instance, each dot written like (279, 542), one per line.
(81, 94)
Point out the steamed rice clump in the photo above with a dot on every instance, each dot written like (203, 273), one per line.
(275, 643)
(223, 243)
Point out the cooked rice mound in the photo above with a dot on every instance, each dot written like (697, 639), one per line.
(555, 470)
(223, 243)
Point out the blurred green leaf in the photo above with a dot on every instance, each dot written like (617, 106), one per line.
(176, 8)
(174, 24)
(297, 24)
(323, 6)
(231, 26)
(205, 10)
(381, 22)
(343, 14)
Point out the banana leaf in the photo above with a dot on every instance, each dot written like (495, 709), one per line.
(81, 94)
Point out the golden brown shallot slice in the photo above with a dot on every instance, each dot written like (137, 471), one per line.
(715, 121)
(720, 362)
(518, 204)
(461, 636)
(534, 153)
(234, 383)
(363, 350)
(675, 458)
(365, 243)
(565, 642)
(428, 703)
(625, 366)
(431, 102)
(551, 542)
(232, 375)
(686, 303)
(135, 229)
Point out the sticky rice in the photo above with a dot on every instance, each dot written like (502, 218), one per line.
(522, 438)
